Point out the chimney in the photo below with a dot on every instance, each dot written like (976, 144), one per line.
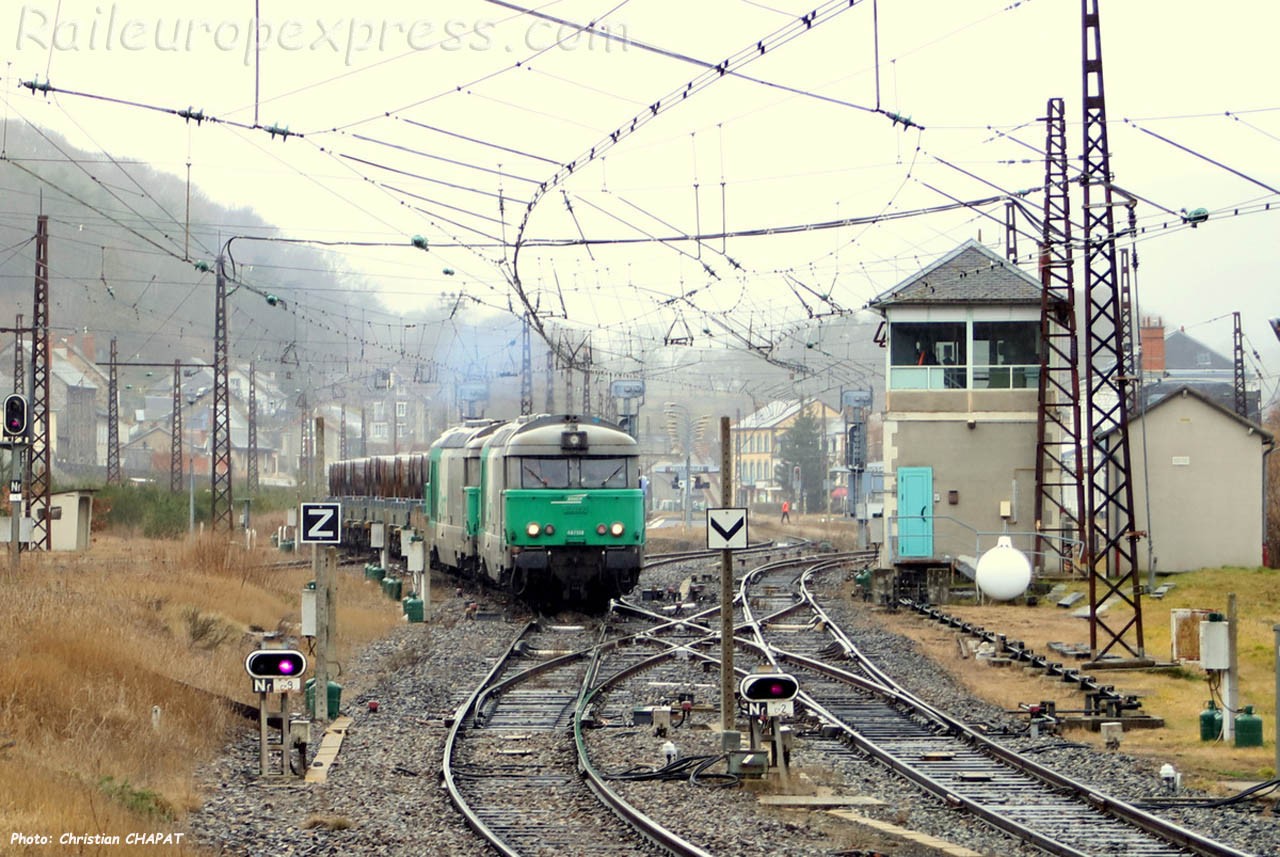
(1151, 336)
(86, 345)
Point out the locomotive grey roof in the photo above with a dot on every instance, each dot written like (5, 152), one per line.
(969, 274)
(542, 435)
(460, 435)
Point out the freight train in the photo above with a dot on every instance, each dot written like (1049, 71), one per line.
(548, 507)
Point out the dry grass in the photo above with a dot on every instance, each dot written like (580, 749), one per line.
(91, 643)
(1177, 695)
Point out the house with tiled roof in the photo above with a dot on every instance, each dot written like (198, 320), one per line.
(1175, 359)
(962, 363)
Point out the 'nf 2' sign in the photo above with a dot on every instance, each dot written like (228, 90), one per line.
(726, 529)
(320, 524)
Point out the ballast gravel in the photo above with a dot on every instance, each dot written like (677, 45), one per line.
(384, 794)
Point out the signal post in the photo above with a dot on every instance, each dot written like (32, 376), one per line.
(16, 428)
(275, 671)
(727, 530)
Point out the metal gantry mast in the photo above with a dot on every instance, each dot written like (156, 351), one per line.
(526, 369)
(586, 379)
(114, 476)
(177, 445)
(342, 434)
(1059, 490)
(220, 467)
(251, 473)
(1111, 543)
(1011, 231)
(551, 377)
(1237, 363)
(40, 483)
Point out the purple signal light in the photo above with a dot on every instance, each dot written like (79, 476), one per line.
(286, 666)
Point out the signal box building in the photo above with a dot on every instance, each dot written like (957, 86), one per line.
(962, 363)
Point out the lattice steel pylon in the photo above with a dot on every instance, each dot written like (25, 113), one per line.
(114, 477)
(1059, 490)
(1011, 231)
(176, 440)
(1237, 363)
(526, 369)
(251, 471)
(220, 466)
(342, 434)
(551, 377)
(1111, 540)
(586, 379)
(40, 482)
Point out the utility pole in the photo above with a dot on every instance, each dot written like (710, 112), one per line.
(727, 707)
(322, 562)
(220, 466)
(113, 421)
(17, 458)
(251, 482)
(39, 413)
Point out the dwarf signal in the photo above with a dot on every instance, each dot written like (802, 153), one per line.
(276, 670)
(771, 694)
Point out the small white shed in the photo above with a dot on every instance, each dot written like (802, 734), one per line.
(1204, 477)
(71, 514)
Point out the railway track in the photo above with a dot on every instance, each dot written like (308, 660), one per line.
(512, 736)
(508, 757)
(957, 764)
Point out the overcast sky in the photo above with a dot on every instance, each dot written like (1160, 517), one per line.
(442, 119)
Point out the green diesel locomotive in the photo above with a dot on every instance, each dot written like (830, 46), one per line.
(548, 508)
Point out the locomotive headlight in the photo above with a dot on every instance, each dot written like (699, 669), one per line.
(533, 530)
(617, 528)
(601, 529)
(550, 529)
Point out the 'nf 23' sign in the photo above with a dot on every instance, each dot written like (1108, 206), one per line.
(320, 524)
(726, 529)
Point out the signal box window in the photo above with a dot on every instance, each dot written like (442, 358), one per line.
(927, 355)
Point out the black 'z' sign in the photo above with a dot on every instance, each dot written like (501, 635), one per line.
(320, 524)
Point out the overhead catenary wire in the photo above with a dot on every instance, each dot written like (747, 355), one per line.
(1203, 157)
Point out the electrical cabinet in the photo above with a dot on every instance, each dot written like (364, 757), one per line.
(1213, 645)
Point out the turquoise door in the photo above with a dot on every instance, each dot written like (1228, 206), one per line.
(915, 511)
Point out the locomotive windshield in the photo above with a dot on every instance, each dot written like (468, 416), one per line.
(573, 473)
(604, 472)
(544, 473)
